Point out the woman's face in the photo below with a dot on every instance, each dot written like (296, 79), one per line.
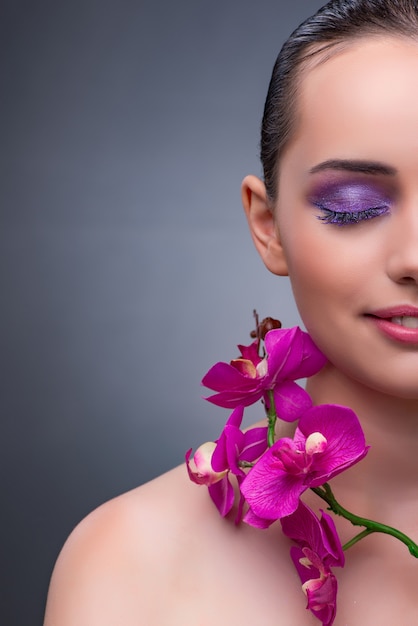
(347, 212)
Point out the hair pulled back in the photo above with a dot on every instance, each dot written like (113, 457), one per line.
(335, 25)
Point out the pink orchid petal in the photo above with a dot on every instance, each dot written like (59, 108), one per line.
(332, 541)
(227, 448)
(223, 376)
(305, 572)
(193, 475)
(273, 486)
(232, 399)
(291, 401)
(298, 354)
(345, 439)
(291, 354)
(271, 492)
(234, 444)
(312, 358)
(252, 519)
(241, 503)
(235, 419)
(321, 536)
(321, 592)
(318, 547)
(251, 352)
(255, 444)
(229, 444)
(322, 602)
(284, 352)
(222, 494)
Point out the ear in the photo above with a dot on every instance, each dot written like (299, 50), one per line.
(262, 225)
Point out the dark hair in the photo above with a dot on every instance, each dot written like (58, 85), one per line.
(335, 25)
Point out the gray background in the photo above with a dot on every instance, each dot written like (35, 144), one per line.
(126, 266)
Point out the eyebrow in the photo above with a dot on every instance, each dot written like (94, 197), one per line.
(349, 165)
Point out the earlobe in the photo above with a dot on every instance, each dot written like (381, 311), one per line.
(262, 226)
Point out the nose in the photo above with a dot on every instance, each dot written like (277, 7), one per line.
(402, 264)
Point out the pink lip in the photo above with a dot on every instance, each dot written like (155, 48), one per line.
(382, 319)
(400, 310)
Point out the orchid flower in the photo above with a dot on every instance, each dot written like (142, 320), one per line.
(290, 355)
(201, 472)
(327, 441)
(319, 548)
(215, 461)
(233, 447)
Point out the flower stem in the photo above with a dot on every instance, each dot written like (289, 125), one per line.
(245, 464)
(271, 419)
(354, 540)
(325, 492)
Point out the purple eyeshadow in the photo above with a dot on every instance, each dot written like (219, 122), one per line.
(350, 197)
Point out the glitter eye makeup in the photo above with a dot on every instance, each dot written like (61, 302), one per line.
(350, 202)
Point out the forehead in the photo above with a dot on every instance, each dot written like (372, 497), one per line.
(360, 103)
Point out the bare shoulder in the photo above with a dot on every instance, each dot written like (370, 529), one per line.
(160, 554)
(111, 559)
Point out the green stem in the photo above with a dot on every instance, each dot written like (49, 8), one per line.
(271, 419)
(371, 526)
(354, 540)
(245, 464)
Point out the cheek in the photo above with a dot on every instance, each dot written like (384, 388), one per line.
(314, 262)
(312, 286)
(327, 273)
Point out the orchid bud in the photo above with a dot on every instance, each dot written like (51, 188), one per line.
(200, 466)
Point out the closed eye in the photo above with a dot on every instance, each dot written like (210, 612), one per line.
(346, 218)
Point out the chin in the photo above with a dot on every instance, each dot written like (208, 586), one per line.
(395, 388)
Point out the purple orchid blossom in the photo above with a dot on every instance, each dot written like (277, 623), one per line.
(232, 447)
(224, 457)
(290, 355)
(319, 548)
(327, 441)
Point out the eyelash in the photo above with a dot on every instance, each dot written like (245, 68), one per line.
(346, 218)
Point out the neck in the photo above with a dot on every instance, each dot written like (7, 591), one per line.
(388, 475)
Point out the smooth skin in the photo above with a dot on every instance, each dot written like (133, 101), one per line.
(160, 555)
